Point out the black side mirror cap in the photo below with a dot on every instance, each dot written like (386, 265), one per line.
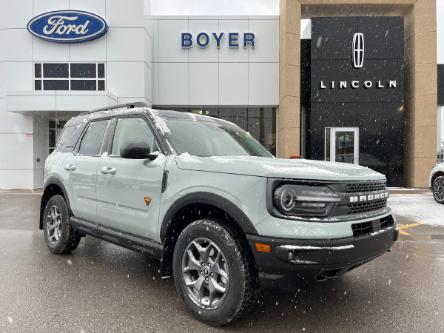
(137, 150)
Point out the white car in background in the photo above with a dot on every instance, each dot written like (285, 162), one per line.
(436, 182)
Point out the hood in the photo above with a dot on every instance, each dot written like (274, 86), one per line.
(278, 168)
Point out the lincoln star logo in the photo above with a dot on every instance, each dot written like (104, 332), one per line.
(67, 26)
(358, 50)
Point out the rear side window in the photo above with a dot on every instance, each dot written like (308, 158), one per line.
(91, 143)
(69, 137)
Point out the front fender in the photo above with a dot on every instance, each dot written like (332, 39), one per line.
(49, 191)
(210, 199)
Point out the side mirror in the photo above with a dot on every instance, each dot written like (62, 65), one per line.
(137, 150)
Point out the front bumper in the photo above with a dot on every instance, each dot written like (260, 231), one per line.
(321, 259)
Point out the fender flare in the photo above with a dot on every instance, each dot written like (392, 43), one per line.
(210, 199)
(53, 180)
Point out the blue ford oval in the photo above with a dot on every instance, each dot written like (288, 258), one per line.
(67, 26)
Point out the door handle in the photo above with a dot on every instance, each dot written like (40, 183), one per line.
(70, 167)
(108, 171)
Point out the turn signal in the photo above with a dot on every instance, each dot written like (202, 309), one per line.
(261, 247)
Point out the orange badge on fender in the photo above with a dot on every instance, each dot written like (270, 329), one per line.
(147, 200)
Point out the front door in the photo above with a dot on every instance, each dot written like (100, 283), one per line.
(129, 190)
(342, 144)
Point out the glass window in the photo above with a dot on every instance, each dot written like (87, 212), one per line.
(52, 139)
(101, 70)
(93, 138)
(69, 76)
(55, 70)
(345, 146)
(61, 124)
(69, 137)
(83, 85)
(260, 122)
(132, 130)
(55, 84)
(83, 70)
(38, 70)
(211, 138)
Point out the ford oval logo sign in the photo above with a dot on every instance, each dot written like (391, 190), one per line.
(67, 26)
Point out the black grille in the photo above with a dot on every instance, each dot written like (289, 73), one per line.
(357, 190)
(365, 228)
(366, 206)
(365, 187)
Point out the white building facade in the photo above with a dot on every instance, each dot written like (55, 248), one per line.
(139, 59)
(225, 66)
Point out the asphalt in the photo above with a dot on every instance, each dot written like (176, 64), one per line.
(103, 288)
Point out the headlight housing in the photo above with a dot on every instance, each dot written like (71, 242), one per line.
(304, 200)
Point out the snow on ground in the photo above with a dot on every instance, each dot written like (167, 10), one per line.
(419, 207)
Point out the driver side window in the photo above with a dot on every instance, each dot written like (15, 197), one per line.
(132, 130)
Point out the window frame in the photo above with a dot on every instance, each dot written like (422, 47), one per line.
(112, 132)
(103, 147)
(42, 77)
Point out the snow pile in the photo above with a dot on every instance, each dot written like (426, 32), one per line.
(420, 208)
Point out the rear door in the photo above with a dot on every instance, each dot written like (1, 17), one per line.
(82, 170)
(129, 190)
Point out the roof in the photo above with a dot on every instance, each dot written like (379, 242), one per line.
(136, 108)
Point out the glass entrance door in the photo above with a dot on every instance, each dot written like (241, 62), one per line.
(342, 144)
(55, 127)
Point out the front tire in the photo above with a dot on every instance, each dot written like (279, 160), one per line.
(438, 189)
(60, 237)
(213, 273)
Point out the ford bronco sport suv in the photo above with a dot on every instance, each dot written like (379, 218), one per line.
(214, 206)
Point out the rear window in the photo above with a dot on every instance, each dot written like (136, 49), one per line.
(69, 137)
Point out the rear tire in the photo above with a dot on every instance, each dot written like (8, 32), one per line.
(60, 237)
(213, 273)
(438, 189)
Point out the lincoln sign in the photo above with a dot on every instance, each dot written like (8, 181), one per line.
(354, 84)
(67, 26)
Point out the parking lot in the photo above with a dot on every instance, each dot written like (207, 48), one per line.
(101, 287)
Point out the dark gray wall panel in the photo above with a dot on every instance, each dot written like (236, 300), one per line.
(378, 112)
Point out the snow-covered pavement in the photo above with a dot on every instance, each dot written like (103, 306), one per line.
(418, 207)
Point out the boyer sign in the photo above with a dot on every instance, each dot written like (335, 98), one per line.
(67, 26)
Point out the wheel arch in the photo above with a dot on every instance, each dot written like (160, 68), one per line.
(52, 186)
(434, 176)
(201, 205)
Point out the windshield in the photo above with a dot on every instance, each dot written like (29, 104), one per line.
(211, 138)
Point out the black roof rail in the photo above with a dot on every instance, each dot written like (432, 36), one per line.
(118, 106)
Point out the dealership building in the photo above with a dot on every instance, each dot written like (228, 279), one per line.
(352, 81)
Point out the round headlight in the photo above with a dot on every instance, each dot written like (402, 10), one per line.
(287, 200)
(304, 200)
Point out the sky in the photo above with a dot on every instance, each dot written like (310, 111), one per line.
(255, 7)
(215, 7)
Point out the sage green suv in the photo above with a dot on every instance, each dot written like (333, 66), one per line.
(222, 214)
